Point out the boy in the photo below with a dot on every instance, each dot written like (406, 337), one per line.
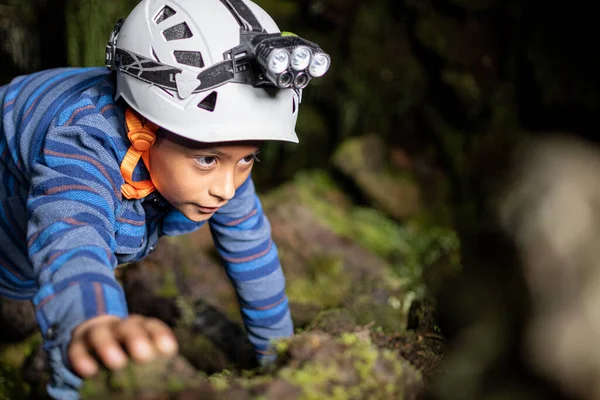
(94, 170)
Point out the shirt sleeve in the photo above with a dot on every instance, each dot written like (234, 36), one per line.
(72, 207)
(242, 235)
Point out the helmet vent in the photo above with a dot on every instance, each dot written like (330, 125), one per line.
(166, 13)
(209, 103)
(177, 32)
(293, 105)
(193, 58)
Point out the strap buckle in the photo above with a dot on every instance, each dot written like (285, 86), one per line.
(111, 48)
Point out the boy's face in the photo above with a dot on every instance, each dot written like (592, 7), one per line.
(198, 178)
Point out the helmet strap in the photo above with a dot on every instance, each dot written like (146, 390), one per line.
(142, 136)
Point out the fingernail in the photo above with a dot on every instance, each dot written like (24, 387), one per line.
(167, 345)
(87, 368)
(116, 358)
(144, 350)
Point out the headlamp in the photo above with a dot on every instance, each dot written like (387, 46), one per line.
(301, 80)
(319, 65)
(277, 61)
(301, 57)
(261, 59)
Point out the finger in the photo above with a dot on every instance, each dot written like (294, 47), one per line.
(81, 360)
(104, 343)
(161, 335)
(133, 335)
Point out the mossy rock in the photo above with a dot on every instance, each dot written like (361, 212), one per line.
(325, 269)
(313, 218)
(326, 284)
(320, 366)
(365, 160)
(311, 365)
(179, 268)
(333, 321)
(15, 354)
(316, 365)
(201, 352)
(162, 376)
(385, 310)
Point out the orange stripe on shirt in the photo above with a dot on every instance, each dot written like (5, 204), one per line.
(4, 264)
(265, 352)
(74, 221)
(54, 257)
(239, 221)
(46, 300)
(33, 238)
(271, 305)
(66, 188)
(77, 112)
(100, 306)
(131, 221)
(106, 108)
(250, 258)
(90, 160)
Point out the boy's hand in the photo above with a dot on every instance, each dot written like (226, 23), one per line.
(113, 340)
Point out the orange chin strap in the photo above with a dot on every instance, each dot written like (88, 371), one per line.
(142, 137)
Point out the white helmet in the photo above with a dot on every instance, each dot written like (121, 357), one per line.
(185, 65)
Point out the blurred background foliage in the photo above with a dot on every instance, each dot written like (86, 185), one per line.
(414, 125)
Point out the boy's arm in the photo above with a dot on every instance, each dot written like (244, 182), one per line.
(242, 236)
(72, 206)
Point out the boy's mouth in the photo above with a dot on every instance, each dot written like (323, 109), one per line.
(208, 210)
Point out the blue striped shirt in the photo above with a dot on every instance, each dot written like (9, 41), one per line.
(64, 225)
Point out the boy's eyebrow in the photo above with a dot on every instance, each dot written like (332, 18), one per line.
(215, 151)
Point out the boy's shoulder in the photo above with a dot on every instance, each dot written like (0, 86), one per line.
(74, 107)
(59, 97)
(92, 92)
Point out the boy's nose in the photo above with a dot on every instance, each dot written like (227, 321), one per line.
(224, 187)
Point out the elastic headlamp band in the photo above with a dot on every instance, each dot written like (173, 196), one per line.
(166, 76)
(243, 15)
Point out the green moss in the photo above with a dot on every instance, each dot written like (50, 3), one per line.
(187, 312)
(386, 317)
(14, 355)
(12, 359)
(312, 378)
(169, 287)
(353, 369)
(325, 285)
(333, 321)
(174, 384)
(467, 88)
(126, 381)
(163, 375)
(411, 247)
(221, 381)
(281, 346)
(12, 385)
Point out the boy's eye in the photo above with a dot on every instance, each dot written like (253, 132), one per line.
(249, 159)
(206, 161)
